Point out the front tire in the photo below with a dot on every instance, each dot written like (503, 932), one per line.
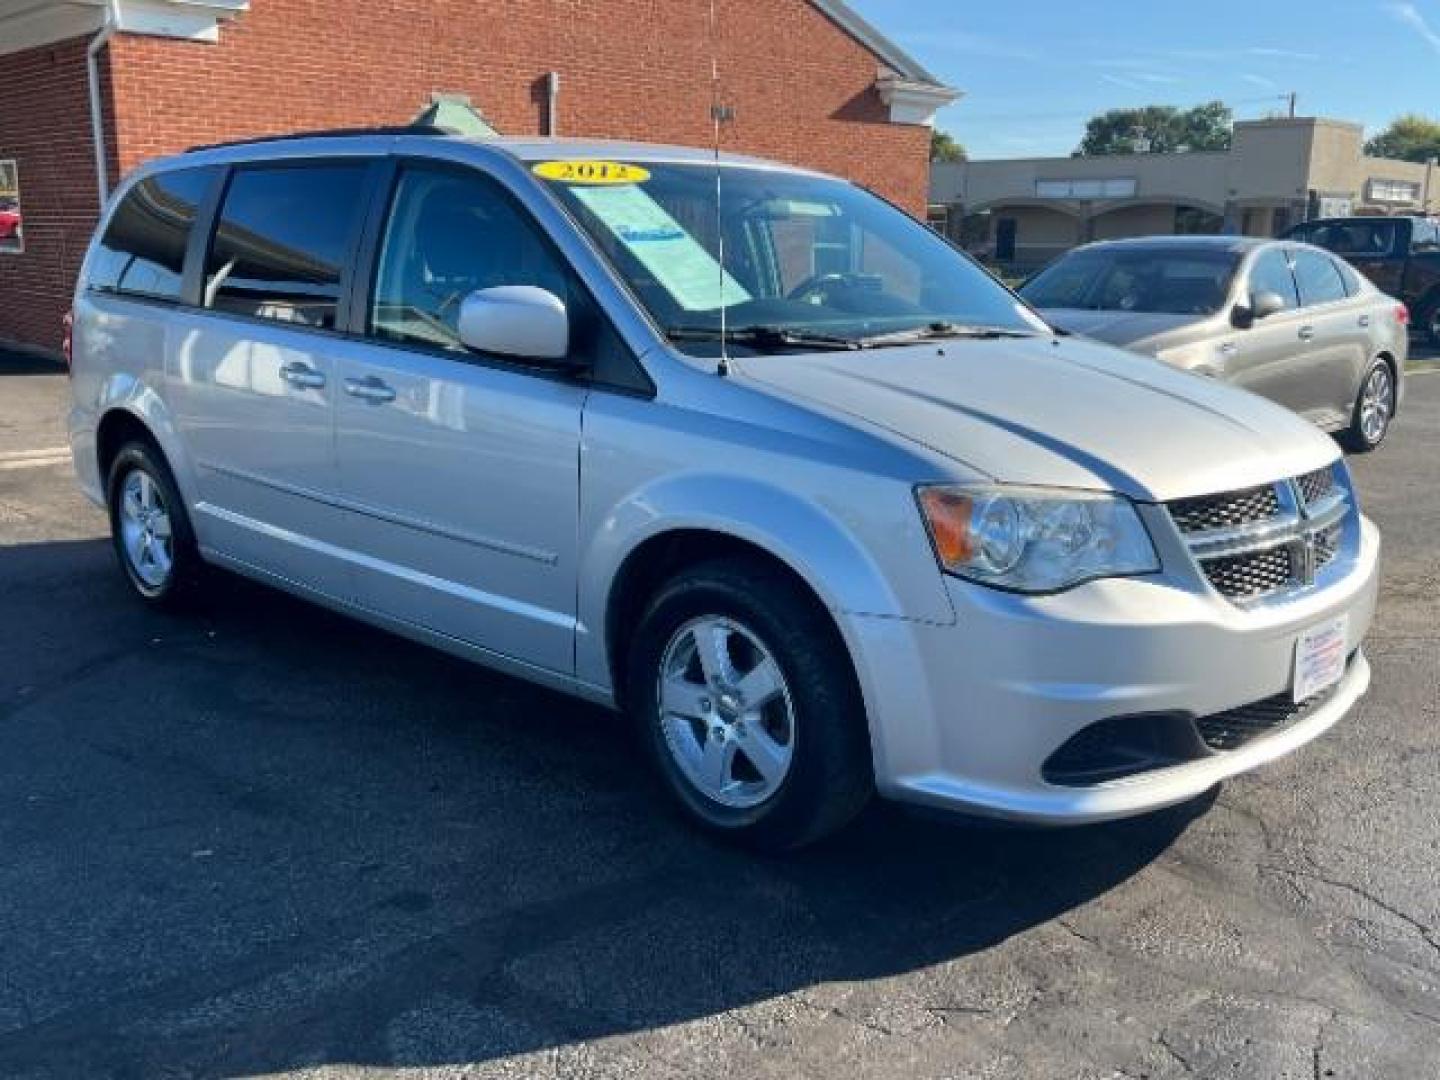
(1374, 408)
(745, 699)
(151, 531)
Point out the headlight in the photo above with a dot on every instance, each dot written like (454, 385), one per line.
(1035, 540)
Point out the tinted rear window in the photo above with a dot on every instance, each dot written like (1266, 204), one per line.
(282, 242)
(1372, 238)
(143, 250)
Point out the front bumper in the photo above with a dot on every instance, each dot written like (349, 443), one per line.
(963, 716)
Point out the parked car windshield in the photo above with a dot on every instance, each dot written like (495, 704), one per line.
(1151, 281)
(808, 262)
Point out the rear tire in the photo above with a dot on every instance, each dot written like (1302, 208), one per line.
(1374, 408)
(1429, 316)
(151, 531)
(743, 694)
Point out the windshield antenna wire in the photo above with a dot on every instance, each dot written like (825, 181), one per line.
(717, 114)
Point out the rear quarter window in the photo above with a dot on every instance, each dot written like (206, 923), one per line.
(1319, 278)
(142, 252)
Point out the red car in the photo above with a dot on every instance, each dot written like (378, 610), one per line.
(9, 220)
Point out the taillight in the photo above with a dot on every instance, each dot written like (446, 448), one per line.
(1402, 315)
(67, 342)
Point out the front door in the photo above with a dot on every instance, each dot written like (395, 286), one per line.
(464, 468)
(1260, 356)
(253, 376)
(1005, 233)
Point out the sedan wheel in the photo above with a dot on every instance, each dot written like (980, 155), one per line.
(726, 712)
(1377, 404)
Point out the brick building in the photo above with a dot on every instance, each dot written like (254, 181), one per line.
(91, 88)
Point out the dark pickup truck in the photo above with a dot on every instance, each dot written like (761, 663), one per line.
(1400, 254)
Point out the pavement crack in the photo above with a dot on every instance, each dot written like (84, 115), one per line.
(1317, 1056)
(1180, 1059)
(1073, 931)
(1426, 933)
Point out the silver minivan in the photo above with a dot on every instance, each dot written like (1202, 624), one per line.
(738, 448)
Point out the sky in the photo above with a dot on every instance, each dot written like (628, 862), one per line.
(1033, 72)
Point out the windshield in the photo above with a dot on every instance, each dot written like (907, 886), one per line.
(809, 262)
(1167, 282)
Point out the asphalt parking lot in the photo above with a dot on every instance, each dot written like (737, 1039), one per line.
(269, 841)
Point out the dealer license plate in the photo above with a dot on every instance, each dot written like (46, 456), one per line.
(1320, 658)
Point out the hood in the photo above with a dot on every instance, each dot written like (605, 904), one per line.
(1123, 328)
(1058, 412)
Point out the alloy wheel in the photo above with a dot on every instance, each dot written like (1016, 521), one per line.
(726, 712)
(1377, 403)
(145, 530)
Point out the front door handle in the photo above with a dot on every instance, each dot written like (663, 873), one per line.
(370, 389)
(1364, 320)
(301, 375)
(1307, 333)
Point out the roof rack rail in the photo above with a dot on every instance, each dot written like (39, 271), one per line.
(330, 133)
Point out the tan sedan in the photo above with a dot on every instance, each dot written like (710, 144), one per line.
(1285, 320)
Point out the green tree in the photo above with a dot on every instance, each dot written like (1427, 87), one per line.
(1158, 129)
(1410, 138)
(943, 147)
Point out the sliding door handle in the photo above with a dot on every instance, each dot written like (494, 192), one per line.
(301, 375)
(370, 389)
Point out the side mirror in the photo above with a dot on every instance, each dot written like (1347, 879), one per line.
(1262, 305)
(522, 321)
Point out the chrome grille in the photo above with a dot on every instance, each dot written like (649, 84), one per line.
(1243, 577)
(1266, 541)
(1327, 544)
(1315, 487)
(1226, 511)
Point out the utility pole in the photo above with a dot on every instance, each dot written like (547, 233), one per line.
(1293, 97)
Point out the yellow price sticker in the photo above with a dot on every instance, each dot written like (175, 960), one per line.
(591, 172)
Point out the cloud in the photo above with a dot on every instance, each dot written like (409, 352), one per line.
(1261, 81)
(1120, 80)
(1411, 16)
(1283, 54)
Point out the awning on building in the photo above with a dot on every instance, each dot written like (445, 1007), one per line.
(24, 24)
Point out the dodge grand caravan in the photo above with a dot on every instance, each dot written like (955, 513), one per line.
(737, 448)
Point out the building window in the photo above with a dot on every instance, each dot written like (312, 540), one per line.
(1394, 191)
(1086, 189)
(12, 229)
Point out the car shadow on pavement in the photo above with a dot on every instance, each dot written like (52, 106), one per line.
(265, 838)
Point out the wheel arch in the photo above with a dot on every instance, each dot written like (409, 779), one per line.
(659, 558)
(129, 407)
(652, 534)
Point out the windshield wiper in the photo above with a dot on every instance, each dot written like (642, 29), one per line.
(762, 337)
(939, 330)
